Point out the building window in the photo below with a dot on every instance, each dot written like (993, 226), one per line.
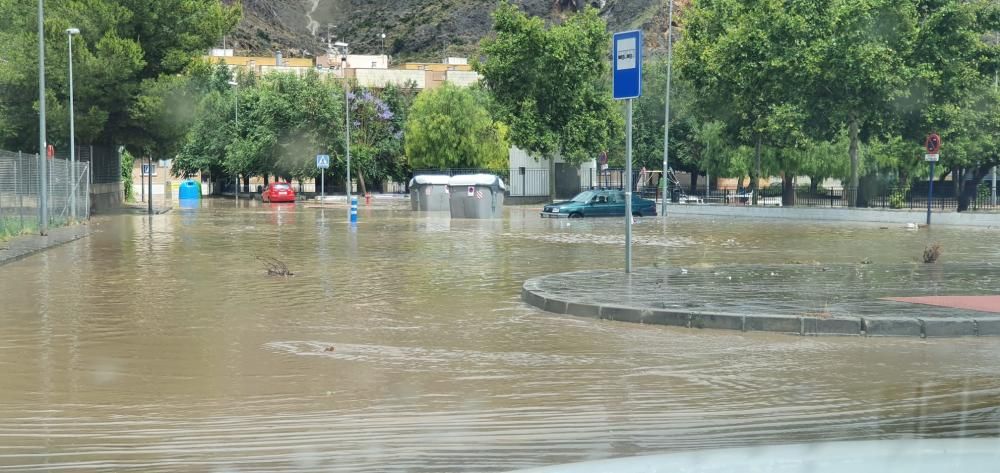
(148, 170)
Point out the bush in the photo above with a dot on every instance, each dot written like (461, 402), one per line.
(897, 199)
(127, 185)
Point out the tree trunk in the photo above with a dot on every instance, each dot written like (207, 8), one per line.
(970, 188)
(814, 185)
(788, 190)
(958, 185)
(755, 178)
(246, 184)
(361, 183)
(853, 151)
(552, 178)
(694, 183)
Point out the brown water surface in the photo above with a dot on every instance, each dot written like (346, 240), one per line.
(160, 345)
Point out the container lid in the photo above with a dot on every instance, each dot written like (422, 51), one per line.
(476, 180)
(439, 179)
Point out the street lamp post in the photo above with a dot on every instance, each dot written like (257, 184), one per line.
(347, 117)
(72, 132)
(236, 190)
(43, 190)
(383, 43)
(666, 113)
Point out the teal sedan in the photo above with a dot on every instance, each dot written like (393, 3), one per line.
(599, 203)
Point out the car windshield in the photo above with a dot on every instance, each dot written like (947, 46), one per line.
(584, 197)
(281, 187)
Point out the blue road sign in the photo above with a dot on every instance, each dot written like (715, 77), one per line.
(627, 64)
(323, 161)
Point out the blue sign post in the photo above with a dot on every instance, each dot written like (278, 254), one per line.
(322, 163)
(627, 85)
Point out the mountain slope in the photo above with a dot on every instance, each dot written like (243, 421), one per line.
(414, 29)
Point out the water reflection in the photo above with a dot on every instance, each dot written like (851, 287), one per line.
(159, 344)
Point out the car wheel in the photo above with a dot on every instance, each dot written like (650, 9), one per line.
(637, 214)
(576, 215)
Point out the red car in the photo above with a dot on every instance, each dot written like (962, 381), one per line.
(278, 192)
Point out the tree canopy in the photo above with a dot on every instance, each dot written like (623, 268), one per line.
(451, 127)
(551, 83)
(124, 50)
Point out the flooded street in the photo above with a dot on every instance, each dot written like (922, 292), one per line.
(160, 344)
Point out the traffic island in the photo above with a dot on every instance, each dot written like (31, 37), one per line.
(907, 300)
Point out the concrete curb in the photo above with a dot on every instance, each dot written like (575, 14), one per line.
(533, 294)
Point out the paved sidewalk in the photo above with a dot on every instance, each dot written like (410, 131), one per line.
(796, 299)
(27, 245)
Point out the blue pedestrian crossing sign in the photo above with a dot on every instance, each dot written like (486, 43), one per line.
(323, 161)
(627, 65)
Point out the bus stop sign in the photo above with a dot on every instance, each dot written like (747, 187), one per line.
(627, 65)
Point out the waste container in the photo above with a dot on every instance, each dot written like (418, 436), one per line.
(189, 189)
(675, 195)
(429, 193)
(476, 196)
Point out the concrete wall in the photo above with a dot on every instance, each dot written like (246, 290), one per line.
(382, 77)
(104, 197)
(462, 78)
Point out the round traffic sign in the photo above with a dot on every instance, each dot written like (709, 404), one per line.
(933, 143)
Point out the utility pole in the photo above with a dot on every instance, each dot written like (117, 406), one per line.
(666, 113)
(43, 166)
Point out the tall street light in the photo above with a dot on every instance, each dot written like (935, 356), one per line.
(347, 116)
(666, 113)
(383, 43)
(72, 132)
(43, 190)
(237, 178)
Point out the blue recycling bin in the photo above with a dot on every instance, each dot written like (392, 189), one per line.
(189, 189)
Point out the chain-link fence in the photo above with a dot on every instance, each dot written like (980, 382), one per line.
(68, 192)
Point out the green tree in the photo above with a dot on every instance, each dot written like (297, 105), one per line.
(123, 50)
(952, 90)
(450, 127)
(857, 69)
(550, 84)
(745, 60)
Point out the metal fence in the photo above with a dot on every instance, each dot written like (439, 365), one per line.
(68, 192)
(909, 198)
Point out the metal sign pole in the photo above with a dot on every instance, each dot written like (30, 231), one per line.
(933, 146)
(628, 187)
(627, 85)
(322, 186)
(930, 192)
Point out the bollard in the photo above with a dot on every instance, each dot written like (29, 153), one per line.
(354, 209)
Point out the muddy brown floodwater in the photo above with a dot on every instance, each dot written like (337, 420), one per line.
(161, 345)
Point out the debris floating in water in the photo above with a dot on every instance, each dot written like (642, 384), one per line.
(274, 266)
(329, 348)
(932, 252)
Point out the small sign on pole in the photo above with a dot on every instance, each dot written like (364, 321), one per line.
(323, 161)
(627, 55)
(931, 157)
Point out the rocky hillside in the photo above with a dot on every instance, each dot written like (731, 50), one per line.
(414, 29)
